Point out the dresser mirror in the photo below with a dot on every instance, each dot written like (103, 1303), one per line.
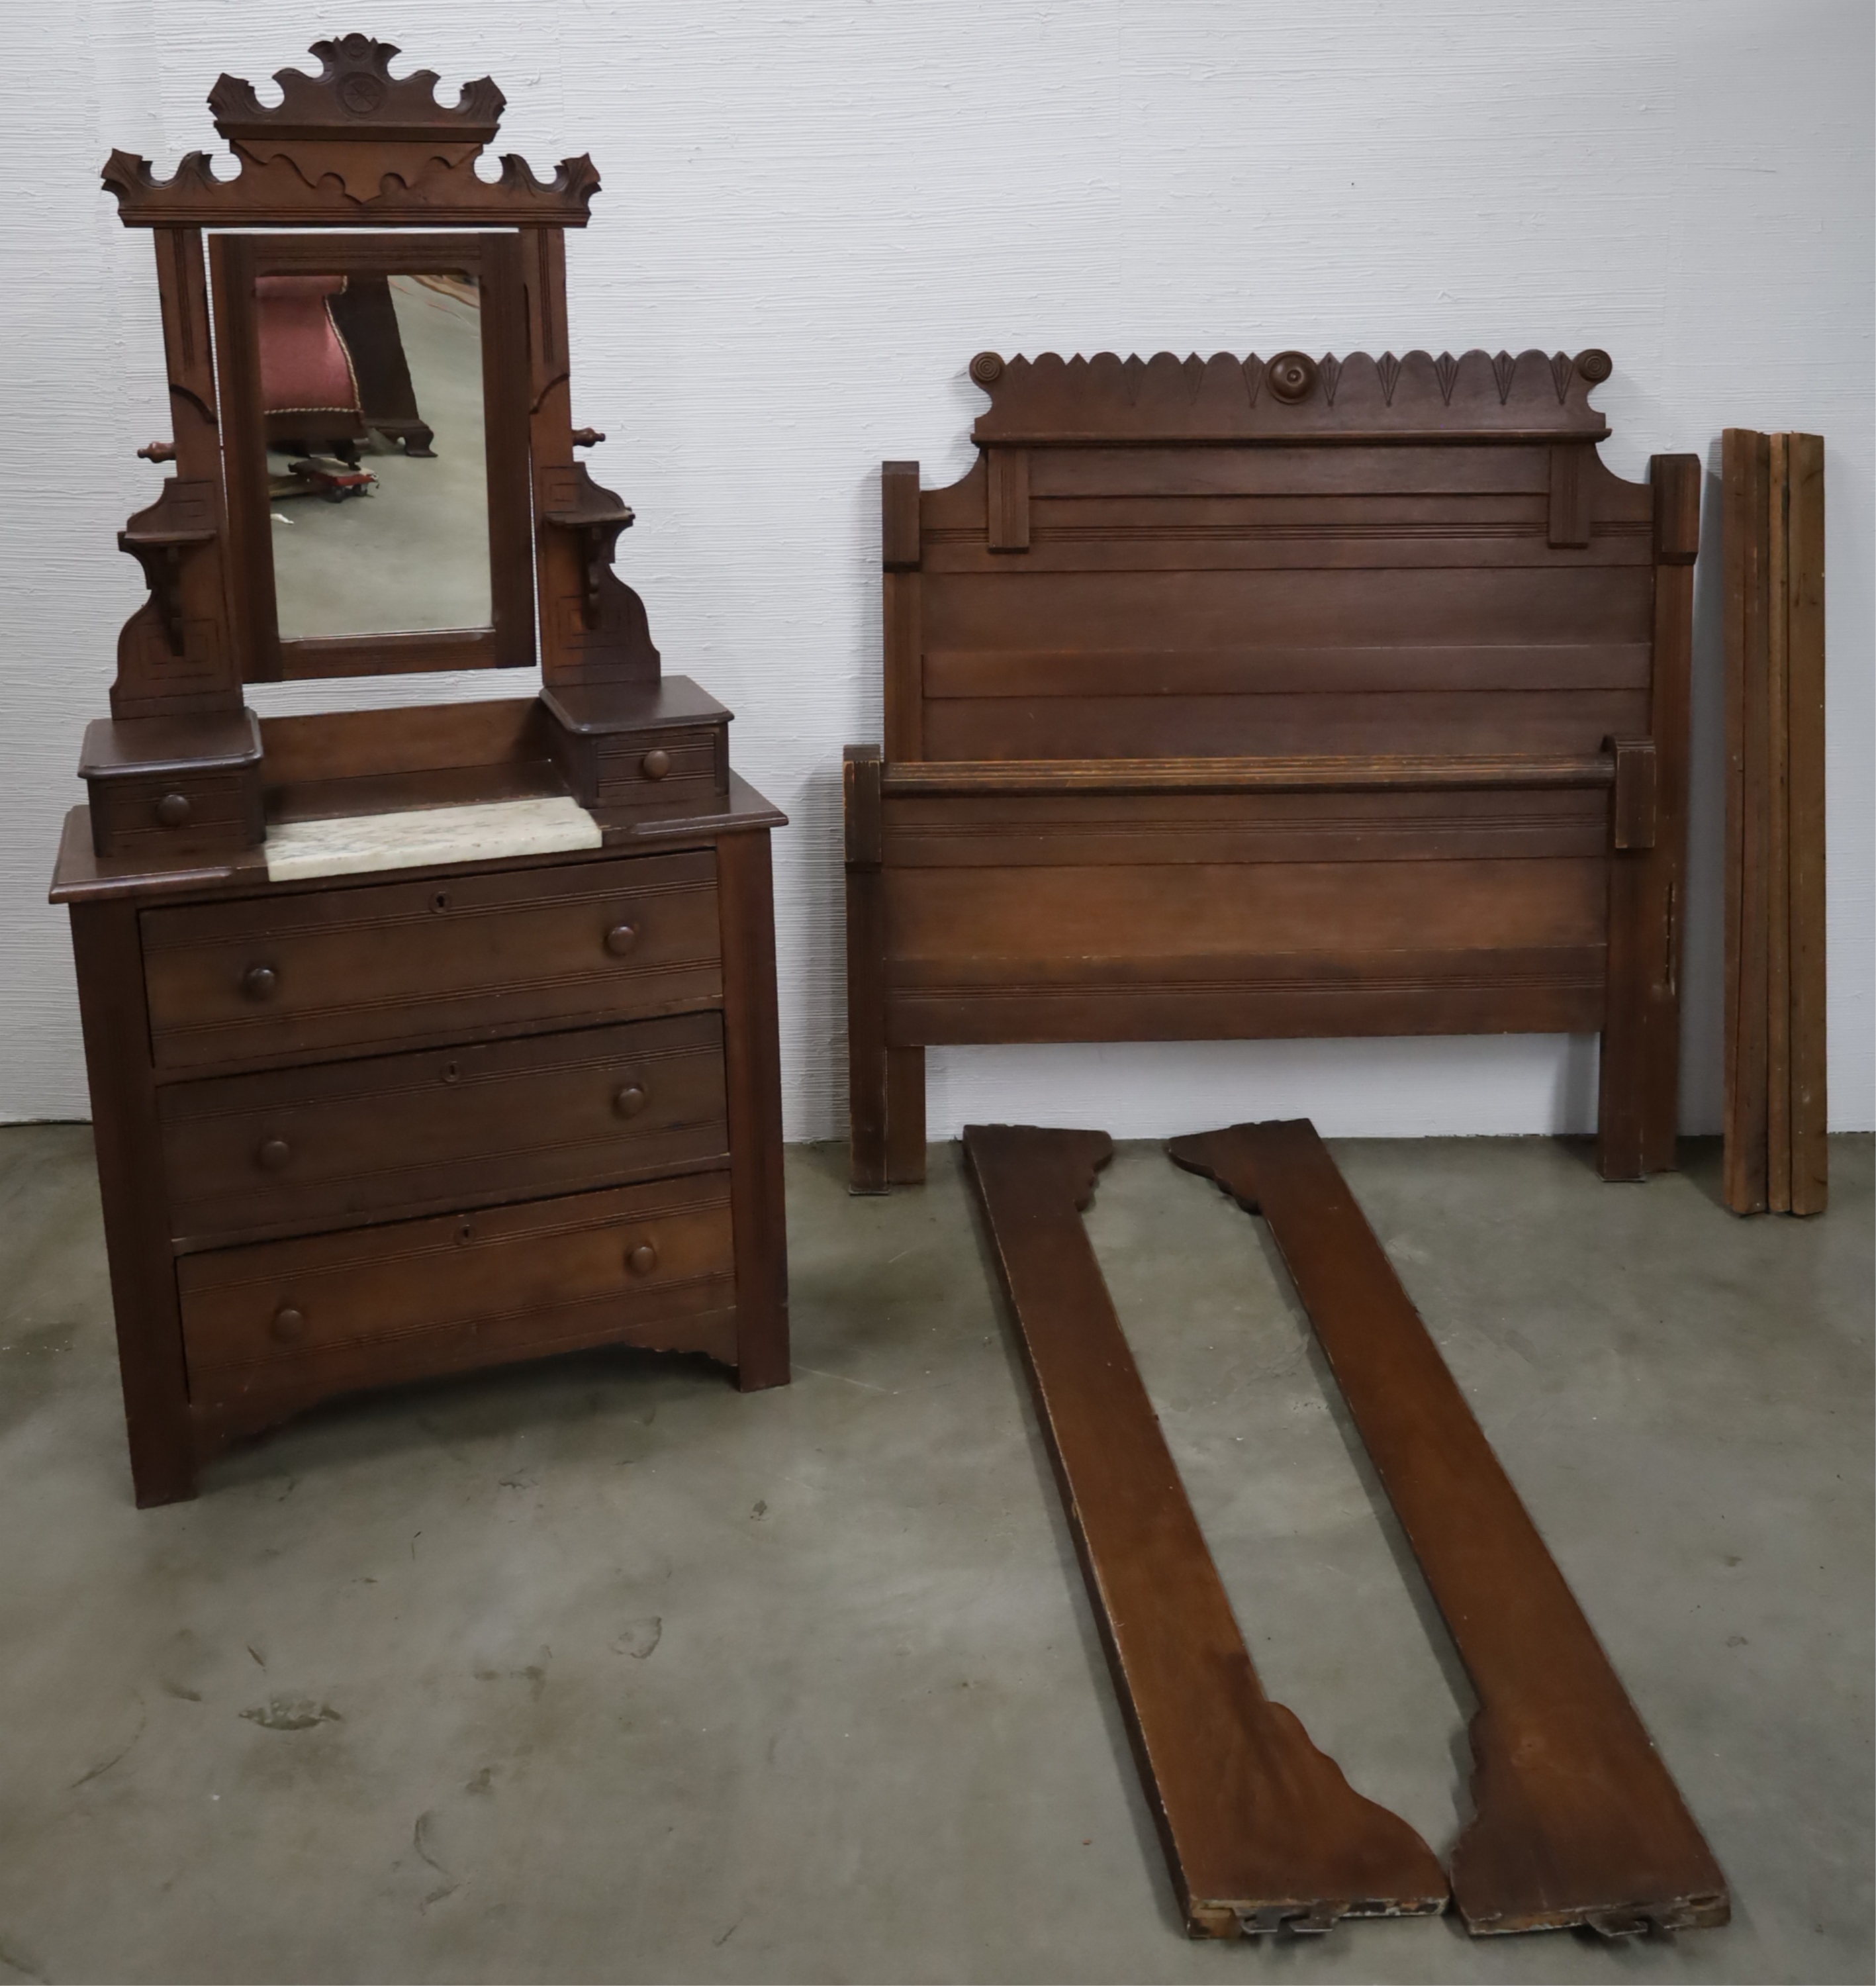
(375, 436)
(440, 1035)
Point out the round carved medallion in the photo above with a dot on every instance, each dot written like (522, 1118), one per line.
(360, 94)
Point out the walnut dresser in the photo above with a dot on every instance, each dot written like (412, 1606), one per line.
(426, 1038)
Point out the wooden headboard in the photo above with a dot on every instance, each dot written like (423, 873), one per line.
(1230, 698)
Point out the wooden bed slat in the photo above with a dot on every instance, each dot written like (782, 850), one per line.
(1805, 736)
(1775, 1122)
(1261, 1829)
(1577, 1820)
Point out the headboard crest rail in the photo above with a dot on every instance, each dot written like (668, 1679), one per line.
(1291, 397)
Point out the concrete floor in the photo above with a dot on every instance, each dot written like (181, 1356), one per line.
(414, 552)
(601, 1672)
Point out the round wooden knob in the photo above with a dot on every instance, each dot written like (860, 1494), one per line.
(631, 1100)
(289, 1324)
(620, 939)
(642, 1260)
(655, 763)
(173, 810)
(258, 982)
(274, 1154)
(1292, 373)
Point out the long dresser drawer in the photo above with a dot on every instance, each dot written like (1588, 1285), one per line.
(648, 1264)
(270, 978)
(442, 1128)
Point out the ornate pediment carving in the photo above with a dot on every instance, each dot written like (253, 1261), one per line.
(354, 144)
(355, 91)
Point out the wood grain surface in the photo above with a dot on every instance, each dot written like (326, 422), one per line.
(1261, 1829)
(1576, 1819)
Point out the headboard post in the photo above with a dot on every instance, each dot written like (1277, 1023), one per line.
(900, 552)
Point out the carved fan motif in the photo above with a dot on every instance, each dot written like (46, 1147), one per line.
(1052, 399)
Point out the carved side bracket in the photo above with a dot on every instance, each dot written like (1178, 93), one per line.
(604, 624)
(598, 516)
(1535, 396)
(184, 514)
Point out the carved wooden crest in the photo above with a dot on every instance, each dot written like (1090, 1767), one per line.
(1535, 396)
(353, 144)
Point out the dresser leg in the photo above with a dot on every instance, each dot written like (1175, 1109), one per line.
(752, 1064)
(109, 955)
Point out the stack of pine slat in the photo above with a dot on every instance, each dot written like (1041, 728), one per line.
(1775, 1110)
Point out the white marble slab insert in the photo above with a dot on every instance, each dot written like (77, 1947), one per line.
(487, 832)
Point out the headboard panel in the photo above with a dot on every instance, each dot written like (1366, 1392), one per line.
(1392, 618)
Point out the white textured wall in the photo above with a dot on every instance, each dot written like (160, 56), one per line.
(814, 213)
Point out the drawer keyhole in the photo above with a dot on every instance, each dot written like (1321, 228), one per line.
(641, 1260)
(620, 939)
(274, 1155)
(289, 1324)
(173, 810)
(655, 763)
(465, 1232)
(259, 981)
(452, 1072)
(631, 1100)
(440, 901)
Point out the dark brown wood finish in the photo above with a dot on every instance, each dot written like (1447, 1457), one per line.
(132, 1184)
(316, 1146)
(1408, 584)
(356, 1129)
(1261, 1831)
(1804, 732)
(1576, 1819)
(753, 1073)
(1747, 476)
(353, 146)
(1775, 1118)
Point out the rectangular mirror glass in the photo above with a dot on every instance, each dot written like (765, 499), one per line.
(371, 389)
(375, 443)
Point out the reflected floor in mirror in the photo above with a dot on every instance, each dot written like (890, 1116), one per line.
(409, 549)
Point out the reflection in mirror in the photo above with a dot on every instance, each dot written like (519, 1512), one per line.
(377, 478)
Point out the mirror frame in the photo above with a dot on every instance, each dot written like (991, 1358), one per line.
(507, 642)
(355, 147)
